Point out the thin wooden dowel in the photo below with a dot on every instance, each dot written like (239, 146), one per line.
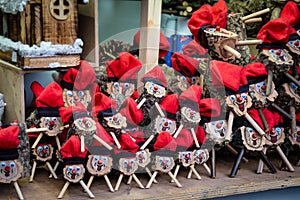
(175, 179)
(129, 180)
(147, 142)
(90, 181)
(141, 103)
(51, 170)
(232, 51)
(254, 124)
(32, 171)
(151, 180)
(248, 42)
(175, 172)
(63, 190)
(206, 168)
(260, 166)
(192, 167)
(258, 13)
(195, 137)
(119, 182)
(37, 140)
(137, 181)
(96, 137)
(229, 126)
(109, 183)
(57, 142)
(253, 20)
(178, 131)
(91, 195)
(284, 159)
(159, 109)
(19, 192)
(116, 140)
(150, 174)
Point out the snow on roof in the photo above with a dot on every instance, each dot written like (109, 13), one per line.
(13, 6)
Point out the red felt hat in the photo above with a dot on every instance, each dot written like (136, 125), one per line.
(165, 141)
(69, 78)
(72, 112)
(275, 31)
(9, 142)
(155, 75)
(86, 76)
(290, 13)
(104, 106)
(129, 110)
(193, 49)
(125, 68)
(200, 135)
(164, 45)
(207, 15)
(170, 105)
(50, 100)
(127, 144)
(193, 94)
(184, 140)
(210, 107)
(255, 72)
(256, 116)
(185, 65)
(226, 75)
(71, 151)
(273, 118)
(36, 88)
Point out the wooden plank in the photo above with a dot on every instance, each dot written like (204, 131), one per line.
(12, 86)
(150, 34)
(51, 62)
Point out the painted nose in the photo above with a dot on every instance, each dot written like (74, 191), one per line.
(155, 88)
(263, 87)
(166, 124)
(7, 168)
(219, 125)
(240, 99)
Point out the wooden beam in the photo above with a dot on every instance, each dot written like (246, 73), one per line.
(150, 34)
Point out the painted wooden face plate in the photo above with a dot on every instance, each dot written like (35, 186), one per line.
(201, 156)
(85, 125)
(294, 46)
(99, 165)
(186, 158)
(53, 124)
(155, 89)
(163, 164)
(275, 136)
(239, 103)
(292, 90)
(190, 115)
(252, 140)
(43, 152)
(295, 137)
(124, 89)
(216, 130)
(128, 166)
(279, 56)
(259, 90)
(143, 157)
(165, 124)
(10, 170)
(74, 173)
(71, 97)
(116, 121)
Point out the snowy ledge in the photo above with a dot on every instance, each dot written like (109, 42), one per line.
(13, 6)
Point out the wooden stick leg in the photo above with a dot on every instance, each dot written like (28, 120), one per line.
(159, 109)
(90, 181)
(116, 140)
(175, 172)
(147, 142)
(129, 180)
(229, 126)
(63, 190)
(195, 137)
(175, 179)
(109, 183)
(213, 163)
(54, 168)
(57, 142)
(51, 170)
(37, 140)
(141, 103)
(190, 174)
(254, 124)
(151, 180)
(150, 174)
(284, 159)
(102, 142)
(82, 145)
(87, 189)
(267, 162)
(192, 167)
(286, 153)
(206, 168)
(260, 166)
(237, 164)
(19, 192)
(232, 150)
(137, 181)
(119, 182)
(269, 82)
(178, 131)
(32, 171)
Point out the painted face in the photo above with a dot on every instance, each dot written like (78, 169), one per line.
(259, 90)
(294, 46)
(43, 152)
(217, 130)
(165, 124)
(117, 121)
(186, 158)
(10, 170)
(164, 164)
(85, 124)
(295, 136)
(53, 124)
(155, 90)
(279, 56)
(251, 139)
(292, 90)
(128, 165)
(143, 157)
(99, 165)
(125, 89)
(74, 173)
(201, 156)
(72, 96)
(239, 102)
(275, 136)
(190, 115)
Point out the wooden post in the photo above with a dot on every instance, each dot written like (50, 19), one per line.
(150, 34)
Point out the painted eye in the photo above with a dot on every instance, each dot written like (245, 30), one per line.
(278, 130)
(110, 118)
(170, 122)
(294, 86)
(3, 164)
(244, 96)
(143, 152)
(258, 85)
(69, 93)
(291, 42)
(40, 148)
(211, 30)
(47, 119)
(104, 158)
(96, 158)
(131, 161)
(12, 164)
(213, 123)
(134, 130)
(70, 168)
(272, 51)
(54, 119)
(163, 120)
(250, 130)
(264, 83)
(46, 147)
(78, 169)
(194, 79)
(80, 93)
(116, 84)
(182, 78)
(232, 97)
(298, 31)
(125, 162)
(126, 85)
